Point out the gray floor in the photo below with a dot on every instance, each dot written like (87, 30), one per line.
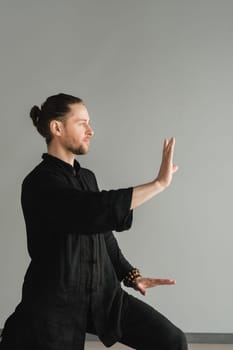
(92, 345)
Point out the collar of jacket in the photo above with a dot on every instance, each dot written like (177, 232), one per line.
(61, 163)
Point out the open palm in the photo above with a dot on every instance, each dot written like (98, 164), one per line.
(141, 283)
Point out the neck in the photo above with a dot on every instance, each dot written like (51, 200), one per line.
(61, 153)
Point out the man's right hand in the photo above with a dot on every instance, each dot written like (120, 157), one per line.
(143, 193)
(167, 169)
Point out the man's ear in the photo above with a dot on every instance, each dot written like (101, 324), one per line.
(55, 127)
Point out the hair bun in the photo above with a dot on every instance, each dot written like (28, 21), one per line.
(35, 114)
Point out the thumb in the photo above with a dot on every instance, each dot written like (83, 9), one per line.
(175, 168)
(142, 291)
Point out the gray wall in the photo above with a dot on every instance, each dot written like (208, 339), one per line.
(147, 70)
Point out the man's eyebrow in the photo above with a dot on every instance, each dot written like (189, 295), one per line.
(82, 119)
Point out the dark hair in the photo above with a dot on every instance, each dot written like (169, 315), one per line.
(55, 107)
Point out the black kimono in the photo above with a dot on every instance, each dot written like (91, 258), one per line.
(75, 259)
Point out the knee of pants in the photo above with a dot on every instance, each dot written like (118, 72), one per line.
(177, 340)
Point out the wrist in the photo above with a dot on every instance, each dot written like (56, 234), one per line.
(158, 186)
(131, 277)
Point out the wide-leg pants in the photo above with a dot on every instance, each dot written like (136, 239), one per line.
(144, 328)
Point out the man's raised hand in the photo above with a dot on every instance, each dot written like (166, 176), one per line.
(167, 169)
(143, 193)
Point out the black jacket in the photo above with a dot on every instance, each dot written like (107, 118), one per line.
(75, 258)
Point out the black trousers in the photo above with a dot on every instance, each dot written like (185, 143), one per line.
(144, 328)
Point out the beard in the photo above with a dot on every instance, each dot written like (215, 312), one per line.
(82, 149)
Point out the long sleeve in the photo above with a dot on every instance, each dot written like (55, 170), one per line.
(121, 265)
(49, 203)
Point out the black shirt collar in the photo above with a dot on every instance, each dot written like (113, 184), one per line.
(66, 166)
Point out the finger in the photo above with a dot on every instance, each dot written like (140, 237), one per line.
(152, 282)
(175, 168)
(164, 281)
(142, 290)
(171, 147)
(172, 141)
(165, 143)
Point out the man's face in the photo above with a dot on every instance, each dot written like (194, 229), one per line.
(77, 131)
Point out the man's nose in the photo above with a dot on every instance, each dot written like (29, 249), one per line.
(90, 131)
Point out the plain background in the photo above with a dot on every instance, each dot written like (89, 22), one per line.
(146, 70)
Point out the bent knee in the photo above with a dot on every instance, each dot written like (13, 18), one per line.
(177, 340)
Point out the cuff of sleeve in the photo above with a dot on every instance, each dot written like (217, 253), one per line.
(122, 213)
(129, 279)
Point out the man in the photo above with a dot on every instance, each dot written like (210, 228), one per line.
(72, 285)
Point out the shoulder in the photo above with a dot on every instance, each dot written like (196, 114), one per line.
(87, 172)
(41, 174)
(89, 175)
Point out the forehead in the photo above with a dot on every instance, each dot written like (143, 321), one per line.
(78, 111)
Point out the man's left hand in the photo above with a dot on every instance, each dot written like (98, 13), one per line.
(141, 283)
